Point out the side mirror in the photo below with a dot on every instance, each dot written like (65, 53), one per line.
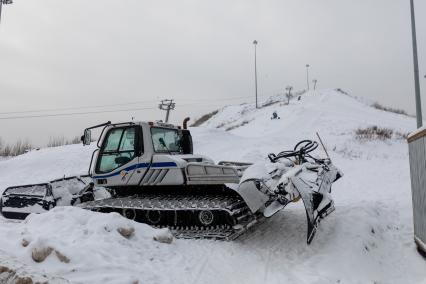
(87, 137)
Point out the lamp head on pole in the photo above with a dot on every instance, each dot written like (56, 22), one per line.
(307, 66)
(7, 1)
(255, 42)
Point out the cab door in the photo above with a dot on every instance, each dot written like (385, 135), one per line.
(119, 155)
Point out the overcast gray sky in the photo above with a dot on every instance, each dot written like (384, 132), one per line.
(62, 54)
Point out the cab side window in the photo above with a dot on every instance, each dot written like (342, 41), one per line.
(166, 140)
(118, 148)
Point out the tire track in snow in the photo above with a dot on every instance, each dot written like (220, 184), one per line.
(201, 270)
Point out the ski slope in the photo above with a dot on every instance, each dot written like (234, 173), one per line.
(368, 239)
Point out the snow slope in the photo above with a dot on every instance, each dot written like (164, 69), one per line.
(368, 239)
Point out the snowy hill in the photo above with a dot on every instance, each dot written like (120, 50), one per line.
(368, 239)
(334, 115)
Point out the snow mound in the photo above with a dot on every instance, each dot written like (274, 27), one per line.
(67, 228)
(70, 238)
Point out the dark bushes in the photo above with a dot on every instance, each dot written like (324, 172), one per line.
(394, 110)
(61, 141)
(204, 118)
(20, 147)
(373, 133)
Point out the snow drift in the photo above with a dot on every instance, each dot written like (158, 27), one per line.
(70, 239)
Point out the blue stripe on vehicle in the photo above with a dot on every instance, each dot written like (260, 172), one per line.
(139, 166)
(164, 164)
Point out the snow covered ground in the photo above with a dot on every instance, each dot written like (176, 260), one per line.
(368, 239)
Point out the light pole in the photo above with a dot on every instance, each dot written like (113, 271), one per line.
(255, 69)
(5, 2)
(416, 69)
(307, 75)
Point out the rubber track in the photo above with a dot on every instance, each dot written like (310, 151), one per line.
(233, 205)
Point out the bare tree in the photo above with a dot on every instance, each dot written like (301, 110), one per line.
(61, 141)
(7, 151)
(56, 141)
(76, 140)
(20, 147)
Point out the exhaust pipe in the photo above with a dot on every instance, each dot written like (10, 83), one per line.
(185, 122)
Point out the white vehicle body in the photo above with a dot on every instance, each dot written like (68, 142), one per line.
(160, 167)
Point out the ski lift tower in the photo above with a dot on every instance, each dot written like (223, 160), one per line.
(166, 105)
(4, 2)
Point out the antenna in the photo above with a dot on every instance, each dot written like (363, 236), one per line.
(322, 144)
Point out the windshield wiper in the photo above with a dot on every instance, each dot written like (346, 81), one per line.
(161, 140)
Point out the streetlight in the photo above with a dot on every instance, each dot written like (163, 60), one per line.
(307, 75)
(5, 2)
(255, 68)
(416, 69)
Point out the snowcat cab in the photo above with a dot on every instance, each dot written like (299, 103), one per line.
(147, 154)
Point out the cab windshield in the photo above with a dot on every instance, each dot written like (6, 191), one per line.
(166, 140)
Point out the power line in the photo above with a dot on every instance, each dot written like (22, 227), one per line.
(108, 105)
(78, 107)
(80, 113)
(103, 111)
(72, 113)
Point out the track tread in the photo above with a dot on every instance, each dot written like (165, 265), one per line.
(234, 206)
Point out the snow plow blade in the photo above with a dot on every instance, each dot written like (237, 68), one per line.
(317, 206)
(268, 187)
